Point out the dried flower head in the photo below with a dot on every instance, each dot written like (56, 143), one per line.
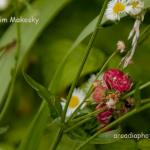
(111, 103)
(112, 99)
(121, 46)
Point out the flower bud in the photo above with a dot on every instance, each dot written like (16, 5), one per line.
(104, 117)
(117, 80)
(99, 93)
(121, 46)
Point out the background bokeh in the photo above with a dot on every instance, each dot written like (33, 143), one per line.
(43, 58)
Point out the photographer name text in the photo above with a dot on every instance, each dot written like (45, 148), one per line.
(13, 19)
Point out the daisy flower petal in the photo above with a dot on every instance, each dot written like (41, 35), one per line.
(134, 7)
(76, 99)
(115, 9)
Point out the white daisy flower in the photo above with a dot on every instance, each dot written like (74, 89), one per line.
(134, 7)
(76, 99)
(115, 9)
(4, 4)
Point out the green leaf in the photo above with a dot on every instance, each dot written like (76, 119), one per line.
(69, 68)
(146, 3)
(87, 31)
(35, 131)
(44, 94)
(66, 143)
(45, 10)
(144, 144)
(6, 146)
(123, 144)
(106, 138)
(3, 130)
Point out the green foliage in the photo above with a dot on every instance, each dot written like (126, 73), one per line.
(122, 145)
(144, 144)
(51, 52)
(54, 107)
(106, 138)
(56, 51)
(3, 130)
(35, 130)
(146, 3)
(45, 11)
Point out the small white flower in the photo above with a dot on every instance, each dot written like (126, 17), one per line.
(121, 46)
(115, 9)
(77, 98)
(134, 7)
(111, 103)
(4, 4)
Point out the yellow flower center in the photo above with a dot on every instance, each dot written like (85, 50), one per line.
(74, 102)
(119, 7)
(134, 4)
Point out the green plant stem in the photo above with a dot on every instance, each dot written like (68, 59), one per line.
(147, 100)
(86, 116)
(140, 88)
(144, 35)
(77, 124)
(14, 73)
(84, 119)
(91, 88)
(114, 123)
(89, 47)
(87, 52)
(58, 138)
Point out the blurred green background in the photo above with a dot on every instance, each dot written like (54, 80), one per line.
(43, 51)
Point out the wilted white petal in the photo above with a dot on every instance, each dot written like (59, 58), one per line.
(4, 4)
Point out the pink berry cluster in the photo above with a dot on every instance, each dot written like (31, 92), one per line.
(107, 93)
